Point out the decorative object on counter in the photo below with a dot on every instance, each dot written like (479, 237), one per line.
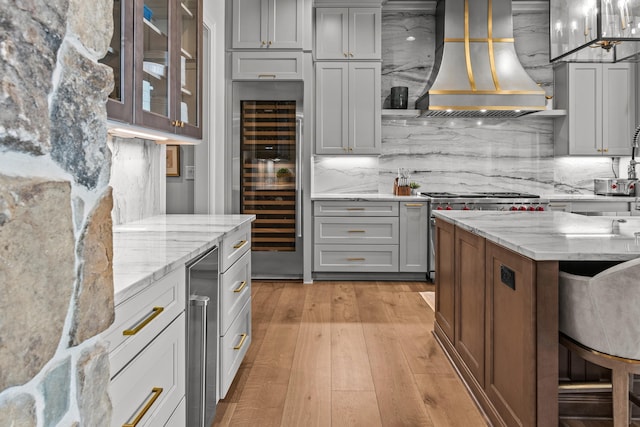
(414, 187)
(610, 26)
(173, 160)
(401, 183)
(398, 98)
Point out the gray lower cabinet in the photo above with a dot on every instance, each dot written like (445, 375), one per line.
(369, 236)
(414, 225)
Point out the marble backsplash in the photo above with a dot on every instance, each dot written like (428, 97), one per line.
(137, 178)
(460, 154)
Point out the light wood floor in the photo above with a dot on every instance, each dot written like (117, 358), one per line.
(347, 354)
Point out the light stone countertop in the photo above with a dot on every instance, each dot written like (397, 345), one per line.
(555, 197)
(561, 236)
(366, 197)
(146, 250)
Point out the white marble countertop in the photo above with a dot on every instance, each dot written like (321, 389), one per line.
(561, 236)
(373, 197)
(555, 197)
(146, 250)
(552, 197)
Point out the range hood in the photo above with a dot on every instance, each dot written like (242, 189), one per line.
(476, 71)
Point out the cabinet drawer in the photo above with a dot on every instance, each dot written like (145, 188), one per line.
(234, 245)
(356, 258)
(233, 347)
(341, 230)
(235, 291)
(140, 318)
(266, 65)
(154, 380)
(351, 208)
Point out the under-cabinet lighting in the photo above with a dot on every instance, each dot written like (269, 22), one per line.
(126, 133)
(411, 38)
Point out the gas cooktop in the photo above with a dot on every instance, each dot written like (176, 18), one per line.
(479, 195)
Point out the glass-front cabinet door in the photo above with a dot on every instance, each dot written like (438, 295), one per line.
(190, 82)
(153, 57)
(120, 57)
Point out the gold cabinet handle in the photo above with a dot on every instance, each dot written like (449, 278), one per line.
(174, 123)
(240, 244)
(264, 76)
(263, 42)
(270, 42)
(155, 313)
(355, 231)
(351, 54)
(345, 54)
(181, 124)
(155, 393)
(355, 209)
(414, 205)
(606, 150)
(243, 337)
(241, 287)
(599, 150)
(355, 259)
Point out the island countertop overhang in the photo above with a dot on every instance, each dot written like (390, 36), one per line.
(553, 236)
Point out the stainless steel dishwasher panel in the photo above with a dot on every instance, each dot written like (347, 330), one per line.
(202, 339)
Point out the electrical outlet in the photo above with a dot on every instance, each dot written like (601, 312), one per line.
(190, 172)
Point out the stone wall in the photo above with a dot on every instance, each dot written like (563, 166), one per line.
(56, 283)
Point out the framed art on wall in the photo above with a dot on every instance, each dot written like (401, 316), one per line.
(173, 160)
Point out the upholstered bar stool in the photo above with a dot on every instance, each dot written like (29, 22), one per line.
(600, 322)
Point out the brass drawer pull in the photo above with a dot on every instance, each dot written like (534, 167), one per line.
(356, 231)
(155, 313)
(241, 287)
(264, 76)
(156, 391)
(356, 259)
(414, 205)
(240, 244)
(241, 343)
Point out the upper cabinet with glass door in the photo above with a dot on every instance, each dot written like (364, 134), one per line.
(162, 78)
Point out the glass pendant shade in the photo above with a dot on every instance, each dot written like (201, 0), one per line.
(594, 30)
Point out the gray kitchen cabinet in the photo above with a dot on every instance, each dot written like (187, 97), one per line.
(414, 224)
(348, 33)
(348, 110)
(267, 24)
(266, 65)
(235, 304)
(370, 236)
(600, 104)
(354, 236)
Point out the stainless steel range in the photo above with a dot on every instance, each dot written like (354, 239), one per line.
(487, 201)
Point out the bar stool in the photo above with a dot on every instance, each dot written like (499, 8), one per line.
(599, 320)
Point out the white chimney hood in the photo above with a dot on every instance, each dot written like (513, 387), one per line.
(476, 70)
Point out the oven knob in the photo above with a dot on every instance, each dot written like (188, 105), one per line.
(449, 208)
(439, 208)
(540, 208)
(531, 208)
(614, 186)
(513, 208)
(465, 208)
(522, 208)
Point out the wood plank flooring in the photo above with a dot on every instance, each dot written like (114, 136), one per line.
(345, 354)
(348, 354)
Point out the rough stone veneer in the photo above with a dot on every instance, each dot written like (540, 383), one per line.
(56, 283)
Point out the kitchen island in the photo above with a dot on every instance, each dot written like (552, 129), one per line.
(497, 300)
